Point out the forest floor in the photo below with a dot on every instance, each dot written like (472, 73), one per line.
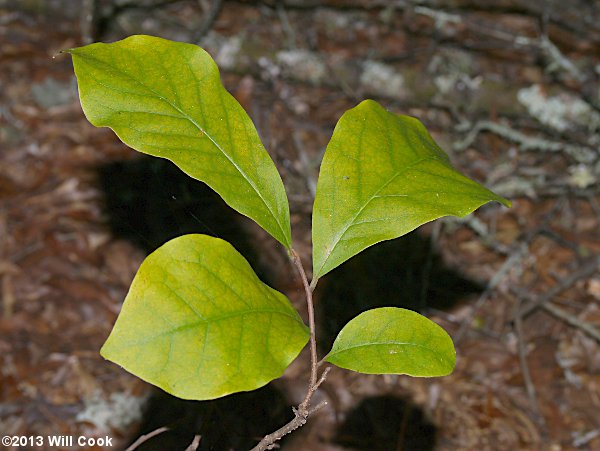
(510, 90)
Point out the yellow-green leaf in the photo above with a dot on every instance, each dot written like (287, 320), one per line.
(382, 176)
(198, 323)
(165, 98)
(392, 340)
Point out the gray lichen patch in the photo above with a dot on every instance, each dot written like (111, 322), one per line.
(562, 111)
(302, 65)
(333, 22)
(226, 51)
(117, 412)
(381, 79)
(582, 176)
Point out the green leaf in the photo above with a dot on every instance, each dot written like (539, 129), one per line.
(381, 177)
(166, 99)
(392, 340)
(198, 323)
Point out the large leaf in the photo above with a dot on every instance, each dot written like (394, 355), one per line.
(166, 99)
(392, 340)
(381, 177)
(198, 322)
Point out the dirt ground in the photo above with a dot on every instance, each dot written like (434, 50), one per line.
(511, 90)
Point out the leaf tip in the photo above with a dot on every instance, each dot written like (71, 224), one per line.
(501, 200)
(369, 103)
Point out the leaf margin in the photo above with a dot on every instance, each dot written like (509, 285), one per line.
(115, 346)
(387, 313)
(278, 207)
(323, 252)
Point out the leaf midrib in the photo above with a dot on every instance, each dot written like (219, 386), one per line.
(184, 115)
(382, 343)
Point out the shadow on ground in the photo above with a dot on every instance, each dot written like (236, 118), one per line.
(236, 422)
(149, 201)
(385, 423)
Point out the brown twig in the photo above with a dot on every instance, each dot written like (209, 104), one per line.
(313, 388)
(529, 386)
(513, 260)
(303, 411)
(589, 267)
(526, 142)
(572, 320)
(268, 442)
(146, 437)
(209, 19)
(311, 324)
